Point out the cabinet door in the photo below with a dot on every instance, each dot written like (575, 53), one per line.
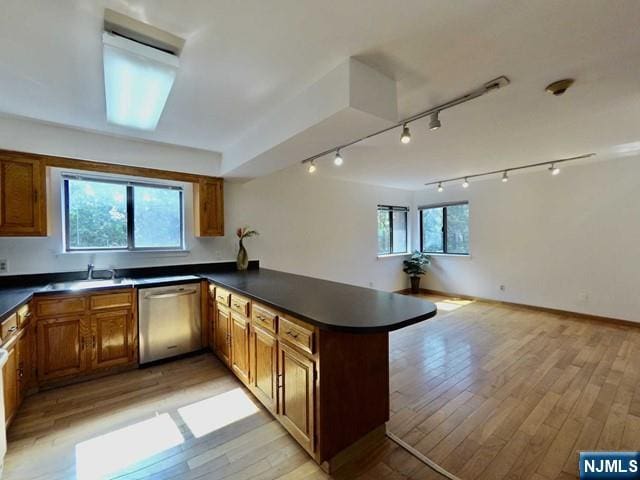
(62, 347)
(22, 197)
(296, 374)
(222, 334)
(240, 346)
(263, 350)
(111, 338)
(209, 208)
(10, 385)
(23, 355)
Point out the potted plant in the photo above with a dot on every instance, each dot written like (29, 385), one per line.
(415, 267)
(242, 262)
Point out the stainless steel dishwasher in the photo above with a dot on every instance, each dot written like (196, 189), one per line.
(169, 321)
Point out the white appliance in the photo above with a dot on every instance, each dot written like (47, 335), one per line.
(169, 321)
(4, 356)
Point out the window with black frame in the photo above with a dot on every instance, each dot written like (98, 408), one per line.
(444, 228)
(108, 214)
(392, 230)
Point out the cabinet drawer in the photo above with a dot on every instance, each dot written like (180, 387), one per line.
(240, 304)
(60, 306)
(264, 317)
(24, 315)
(9, 326)
(223, 296)
(296, 334)
(111, 300)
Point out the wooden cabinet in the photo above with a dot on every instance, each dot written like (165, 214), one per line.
(62, 346)
(209, 207)
(222, 333)
(240, 346)
(263, 352)
(296, 374)
(112, 338)
(10, 384)
(24, 355)
(78, 334)
(23, 210)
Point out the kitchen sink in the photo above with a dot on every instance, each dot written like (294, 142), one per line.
(87, 284)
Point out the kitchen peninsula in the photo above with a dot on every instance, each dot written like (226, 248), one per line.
(314, 352)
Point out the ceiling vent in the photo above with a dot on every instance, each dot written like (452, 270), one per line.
(127, 27)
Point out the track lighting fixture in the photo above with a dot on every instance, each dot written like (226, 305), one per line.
(406, 134)
(338, 160)
(312, 167)
(435, 123)
(552, 167)
(433, 113)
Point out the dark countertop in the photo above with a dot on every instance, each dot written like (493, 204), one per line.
(328, 305)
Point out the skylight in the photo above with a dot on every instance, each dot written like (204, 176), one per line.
(137, 81)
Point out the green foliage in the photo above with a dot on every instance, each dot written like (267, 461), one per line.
(416, 264)
(98, 215)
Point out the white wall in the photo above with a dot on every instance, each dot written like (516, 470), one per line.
(318, 226)
(38, 137)
(570, 242)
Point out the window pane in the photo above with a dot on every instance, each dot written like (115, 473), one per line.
(97, 215)
(399, 232)
(384, 232)
(157, 217)
(432, 230)
(458, 229)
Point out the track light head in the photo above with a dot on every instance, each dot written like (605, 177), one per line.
(406, 134)
(338, 160)
(312, 167)
(505, 177)
(465, 184)
(435, 123)
(440, 187)
(554, 169)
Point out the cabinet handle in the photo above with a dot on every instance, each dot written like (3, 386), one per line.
(291, 334)
(82, 343)
(93, 341)
(12, 329)
(27, 315)
(279, 383)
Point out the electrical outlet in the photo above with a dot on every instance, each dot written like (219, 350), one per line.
(502, 288)
(4, 265)
(370, 284)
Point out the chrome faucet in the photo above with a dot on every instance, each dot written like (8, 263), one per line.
(90, 271)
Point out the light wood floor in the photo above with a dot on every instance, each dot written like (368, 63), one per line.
(491, 391)
(487, 391)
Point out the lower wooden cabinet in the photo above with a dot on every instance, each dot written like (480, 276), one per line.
(240, 346)
(112, 338)
(296, 375)
(102, 334)
(16, 373)
(263, 352)
(222, 335)
(62, 347)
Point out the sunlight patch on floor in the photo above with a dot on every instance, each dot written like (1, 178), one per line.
(450, 305)
(105, 455)
(213, 413)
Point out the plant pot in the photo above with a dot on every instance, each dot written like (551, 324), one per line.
(415, 284)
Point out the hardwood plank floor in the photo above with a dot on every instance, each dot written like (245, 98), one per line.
(486, 390)
(493, 391)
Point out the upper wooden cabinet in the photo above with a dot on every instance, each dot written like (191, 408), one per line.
(208, 207)
(23, 207)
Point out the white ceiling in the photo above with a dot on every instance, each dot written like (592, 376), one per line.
(243, 59)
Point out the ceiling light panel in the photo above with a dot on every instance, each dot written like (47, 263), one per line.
(137, 80)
